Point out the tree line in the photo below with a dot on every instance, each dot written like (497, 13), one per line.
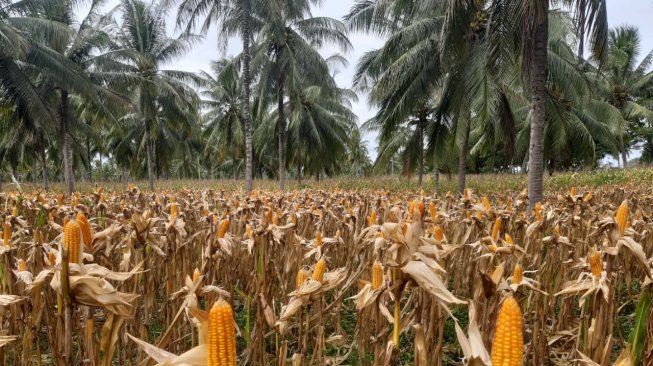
(460, 86)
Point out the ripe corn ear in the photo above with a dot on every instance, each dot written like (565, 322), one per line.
(496, 228)
(222, 229)
(595, 263)
(621, 217)
(6, 234)
(508, 345)
(301, 277)
(72, 241)
(86, 229)
(517, 274)
(320, 268)
(377, 275)
(221, 347)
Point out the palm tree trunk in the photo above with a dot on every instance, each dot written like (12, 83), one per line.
(67, 148)
(281, 126)
(150, 157)
(247, 118)
(89, 167)
(538, 93)
(462, 159)
(234, 173)
(44, 167)
(622, 149)
(420, 127)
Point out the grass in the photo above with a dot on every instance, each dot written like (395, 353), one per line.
(480, 183)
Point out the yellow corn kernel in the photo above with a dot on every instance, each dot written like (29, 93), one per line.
(318, 239)
(439, 233)
(492, 248)
(6, 234)
(14, 212)
(433, 211)
(174, 210)
(595, 263)
(86, 229)
(508, 239)
(222, 229)
(588, 196)
(479, 215)
(621, 217)
(537, 211)
(517, 274)
(66, 220)
(486, 203)
(508, 345)
(320, 268)
(196, 275)
(52, 258)
(302, 276)
(421, 209)
(377, 275)
(496, 228)
(572, 191)
(371, 219)
(20, 265)
(221, 342)
(72, 241)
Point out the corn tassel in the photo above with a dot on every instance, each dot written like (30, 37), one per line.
(221, 347)
(508, 345)
(320, 268)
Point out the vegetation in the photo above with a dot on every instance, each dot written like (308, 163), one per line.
(191, 269)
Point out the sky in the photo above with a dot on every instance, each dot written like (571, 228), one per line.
(620, 12)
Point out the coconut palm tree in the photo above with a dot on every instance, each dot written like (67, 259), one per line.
(286, 58)
(134, 67)
(628, 84)
(223, 119)
(232, 17)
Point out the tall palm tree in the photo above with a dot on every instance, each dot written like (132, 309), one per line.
(233, 17)
(628, 84)
(530, 20)
(223, 120)
(134, 66)
(287, 59)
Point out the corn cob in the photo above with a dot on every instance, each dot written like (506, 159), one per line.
(537, 211)
(621, 217)
(174, 210)
(517, 274)
(196, 275)
(318, 239)
(302, 276)
(221, 347)
(572, 191)
(595, 263)
(377, 275)
(222, 229)
(508, 239)
(433, 211)
(371, 219)
(486, 203)
(6, 234)
(72, 241)
(496, 228)
(439, 234)
(86, 229)
(14, 211)
(588, 196)
(508, 345)
(20, 265)
(320, 268)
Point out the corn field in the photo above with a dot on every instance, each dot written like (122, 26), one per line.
(327, 277)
